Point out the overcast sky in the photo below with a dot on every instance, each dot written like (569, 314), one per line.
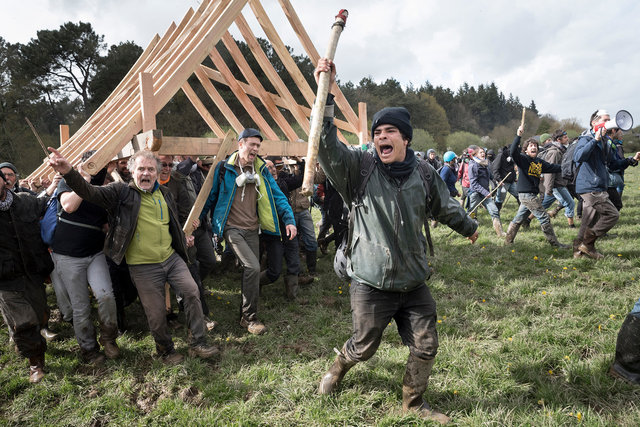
(571, 58)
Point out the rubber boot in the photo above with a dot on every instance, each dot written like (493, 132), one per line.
(414, 384)
(570, 222)
(264, 279)
(547, 229)
(627, 363)
(331, 380)
(511, 233)
(291, 286)
(312, 261)
(554, 211)
(36, 368)
(576, 244)
(497, 225)
(587, 246)
(108, 335)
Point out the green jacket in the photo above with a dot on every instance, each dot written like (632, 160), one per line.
(388, 249)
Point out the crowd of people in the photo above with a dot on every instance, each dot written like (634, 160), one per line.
(119, 235)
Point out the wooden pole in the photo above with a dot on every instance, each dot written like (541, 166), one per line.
(226, 148)
(37, 137)
(524, 110)
(318, 107)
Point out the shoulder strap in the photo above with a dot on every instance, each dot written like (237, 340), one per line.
(366, 169)
(425, 173)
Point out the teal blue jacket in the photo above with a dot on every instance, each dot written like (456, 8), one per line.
(271, 205)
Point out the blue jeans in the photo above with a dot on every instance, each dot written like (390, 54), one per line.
(76, 273)
(372, 309)
(488, 203)
(306, 230)
(501, 194)
(636, 308)
(530, 202)
(564, 198)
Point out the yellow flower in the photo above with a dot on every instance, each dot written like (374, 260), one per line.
(541, 402)
(574, 268)
(579, 416)
(535, 257)
(455, 391)
(219, 297)
(484, 300)
(544, 292)
(339, 292)
(513, 250)
(612, 316)
(567, 358)
(564, 268)
(619, 254)
(339, 287)
(550, 371)
(482, 247)
(439, 321)
(228, 339)
(599, 327)
(444, 317)
(510, 338)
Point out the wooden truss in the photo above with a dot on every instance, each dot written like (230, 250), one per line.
(166, 65)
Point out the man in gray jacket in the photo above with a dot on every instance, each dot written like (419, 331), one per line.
(387, 259)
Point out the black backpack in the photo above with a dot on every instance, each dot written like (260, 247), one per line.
(569, 167)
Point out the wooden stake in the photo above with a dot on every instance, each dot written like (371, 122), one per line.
(226, 147)
(37, 137)
(524, 110)
(318, 107)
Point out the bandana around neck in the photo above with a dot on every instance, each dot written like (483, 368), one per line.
(399, 169)
(8, 200)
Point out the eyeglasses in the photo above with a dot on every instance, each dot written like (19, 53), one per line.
(166, 165)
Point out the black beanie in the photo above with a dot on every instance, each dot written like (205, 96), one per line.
(397, 116)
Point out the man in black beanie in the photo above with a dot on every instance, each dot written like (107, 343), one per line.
(386, 255)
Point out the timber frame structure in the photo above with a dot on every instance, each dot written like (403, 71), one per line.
(114, 129)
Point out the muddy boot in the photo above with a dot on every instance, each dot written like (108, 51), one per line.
(291, 286)
(552, 213)
(511, 233)
(305, 280)
(414, 384)
(576, 244)
(547, 229)
(587, 247)
(627, 363)
(497, 225)
(570, 222)
(336, 372)
(36, 368)
(527, 222)
(107, 340)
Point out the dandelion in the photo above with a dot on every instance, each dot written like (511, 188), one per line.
(564, 268)
(544, 292)
(228, 339)
(555, 277)
(513, 250)
(339, 287)
(219, 297)
(599, 328)
(455, 391)
(484, 300)
(574, 268)
(228, 302)
(439, 321)
(535, 257)
(612, 316)
(550, 371)
(579, 416)
(444, 317)
(482, 247)
(567, 358)
(510, 338)
(619, 254)
(340, 292)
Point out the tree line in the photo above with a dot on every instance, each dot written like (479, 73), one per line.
(61, 76)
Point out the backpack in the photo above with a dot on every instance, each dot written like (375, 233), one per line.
(49, 220)
(569, 167)
(367, 166)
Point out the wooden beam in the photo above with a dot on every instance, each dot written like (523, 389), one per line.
(147, 107)
(313, 54)
(262, 124)
(252, 80)
(363, 125)
(64, 134)
(218, 100)
(202, 110)
(286, 98)
(189, 146)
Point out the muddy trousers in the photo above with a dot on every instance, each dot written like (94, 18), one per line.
(414, 313)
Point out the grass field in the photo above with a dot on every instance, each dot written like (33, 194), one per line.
(527, 335)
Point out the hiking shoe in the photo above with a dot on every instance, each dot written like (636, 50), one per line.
(305, 280)
(254, 327)
(111, 349)
(204, 351)
(93, 357)
(172, 358)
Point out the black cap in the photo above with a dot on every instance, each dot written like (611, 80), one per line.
(396, 116)
(249, 132)
(10, 166)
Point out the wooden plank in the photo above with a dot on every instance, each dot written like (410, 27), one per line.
(191, 146)
(226, 147)
(363, 125)
(216, 76)
(202, 110)
(218, 100)
(282, 51)
(147, 107)
(64, 134)
(262, 124)
(150, 140)
(286, 98)
(305, 40)
(252, 80)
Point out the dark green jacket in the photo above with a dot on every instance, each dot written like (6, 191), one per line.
(388, 249)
